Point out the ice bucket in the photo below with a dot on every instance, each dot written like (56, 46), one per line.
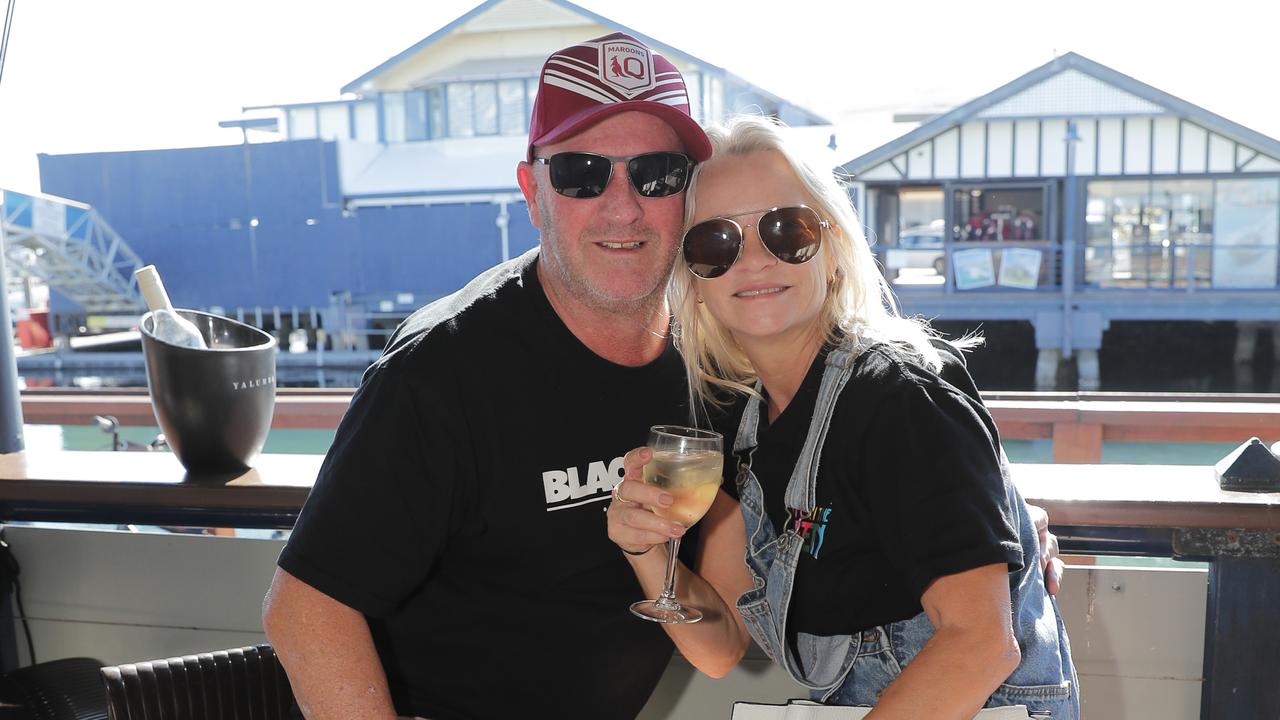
(214, 406)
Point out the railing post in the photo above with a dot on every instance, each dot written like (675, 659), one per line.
(1077, 443)
(1241, 641)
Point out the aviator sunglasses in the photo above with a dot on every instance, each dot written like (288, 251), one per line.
(791, 234)
(586, 175)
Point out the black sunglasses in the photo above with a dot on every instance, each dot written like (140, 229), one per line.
(586, 175)
(791, 234)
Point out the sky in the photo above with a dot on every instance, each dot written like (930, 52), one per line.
(89, 75)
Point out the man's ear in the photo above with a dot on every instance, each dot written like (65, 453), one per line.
(529, 188)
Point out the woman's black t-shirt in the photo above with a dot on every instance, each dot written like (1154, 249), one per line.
(910, 489)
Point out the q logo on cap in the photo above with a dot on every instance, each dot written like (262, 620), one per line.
(626, 65)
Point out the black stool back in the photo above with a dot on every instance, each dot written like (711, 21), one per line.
(241, 684)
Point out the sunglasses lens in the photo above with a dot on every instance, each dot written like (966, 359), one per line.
(711, 247)
(792, 234)
(580, 175)
(659, 174)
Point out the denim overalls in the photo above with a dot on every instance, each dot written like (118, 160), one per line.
(855, 669)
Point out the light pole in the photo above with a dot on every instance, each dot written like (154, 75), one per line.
(10, 400)
(1069, 239)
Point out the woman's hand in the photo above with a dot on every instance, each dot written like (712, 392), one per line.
(632, 525)
(718, 642)
(1050, 563)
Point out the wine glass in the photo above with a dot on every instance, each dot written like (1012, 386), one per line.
(687, 463)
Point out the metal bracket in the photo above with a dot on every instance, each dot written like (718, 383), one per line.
(1216, 542)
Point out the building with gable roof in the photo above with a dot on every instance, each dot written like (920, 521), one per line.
(444, 117)
(1072, 197)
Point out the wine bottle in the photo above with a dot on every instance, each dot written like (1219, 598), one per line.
(166, 324)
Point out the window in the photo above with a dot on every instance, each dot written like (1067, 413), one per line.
(693, 85)
(366, 122)
(530, 92)
(335, 122)
(1175, 233)
(415, 115)
(485, 97)
(511, 113)
(1248, 233)
(998, 214)
(461, 110)
(910, 229)
(435, 112)
(714, 97)
(1002, 239)
(393, 117)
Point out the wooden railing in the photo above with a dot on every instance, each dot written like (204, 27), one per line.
(1077, 423)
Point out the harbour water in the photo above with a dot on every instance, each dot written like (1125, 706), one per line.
(1137, 357)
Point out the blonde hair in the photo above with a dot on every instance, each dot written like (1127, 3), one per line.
(859, 303)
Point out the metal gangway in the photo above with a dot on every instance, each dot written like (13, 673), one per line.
(72, 249)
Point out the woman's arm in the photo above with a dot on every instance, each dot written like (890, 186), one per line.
(972, 651)
(716, 643)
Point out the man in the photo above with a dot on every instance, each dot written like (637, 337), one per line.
(452, 559)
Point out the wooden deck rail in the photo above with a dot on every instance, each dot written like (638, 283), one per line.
(1077, 423)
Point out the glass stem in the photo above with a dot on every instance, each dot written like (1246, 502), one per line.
(667, 600)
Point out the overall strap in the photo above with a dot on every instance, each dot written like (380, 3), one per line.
(744, 444)
(801, 489)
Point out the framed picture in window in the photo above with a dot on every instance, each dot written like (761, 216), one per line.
(1020, 268)
(974, 268)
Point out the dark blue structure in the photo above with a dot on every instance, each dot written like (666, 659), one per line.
(264, 226)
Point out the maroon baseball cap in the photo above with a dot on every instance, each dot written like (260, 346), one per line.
(586, 83)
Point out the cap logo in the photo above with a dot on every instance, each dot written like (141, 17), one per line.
(627, 66)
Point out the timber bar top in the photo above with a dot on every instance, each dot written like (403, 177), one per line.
(153, 488)
(1152, 496)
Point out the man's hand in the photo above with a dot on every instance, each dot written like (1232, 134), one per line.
(1050, 563)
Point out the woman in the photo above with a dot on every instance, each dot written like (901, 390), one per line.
(849, 434)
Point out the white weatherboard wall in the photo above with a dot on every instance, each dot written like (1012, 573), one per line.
(123, 597)
(1137, 634)
(1111, 146)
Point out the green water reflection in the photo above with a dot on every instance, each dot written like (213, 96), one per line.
(304, 441)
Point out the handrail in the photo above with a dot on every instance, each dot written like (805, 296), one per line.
(67, 484)
(1077, 423)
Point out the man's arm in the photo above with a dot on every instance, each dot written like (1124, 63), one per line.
(327, 651)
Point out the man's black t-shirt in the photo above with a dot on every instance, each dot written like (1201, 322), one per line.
(461, 509)
(909, 490)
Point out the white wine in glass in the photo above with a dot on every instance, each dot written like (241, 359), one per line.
(687, 463)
